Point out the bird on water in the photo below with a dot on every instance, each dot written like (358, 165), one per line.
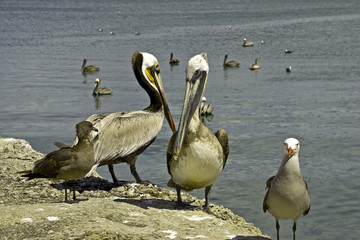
(89, 68)
(287, 196)
(205, 108)
(230, 63)
(195, 156)
(67, 163)
(247, 43)
(100, 91)
(123, 136)
(173, 60)
(255, 66)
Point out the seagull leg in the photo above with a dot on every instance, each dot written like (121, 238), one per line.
(294, 230)
(277, 229)
(111, 170)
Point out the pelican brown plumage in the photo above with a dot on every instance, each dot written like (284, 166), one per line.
(173, 60)
(67, 163)
(255, 66)
(89, 68)
(100, 91)
(123, 136)
(247, 43)
(195, 156)
(230, 63)
(287, 196)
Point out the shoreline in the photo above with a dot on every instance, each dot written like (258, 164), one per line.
(36, 209)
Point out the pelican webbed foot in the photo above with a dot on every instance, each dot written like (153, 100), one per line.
(180, 205)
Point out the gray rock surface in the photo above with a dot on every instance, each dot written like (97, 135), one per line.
(36, 209)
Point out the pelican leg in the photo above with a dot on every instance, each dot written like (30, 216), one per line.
(111, 170)
(65, 186)
(294, 230)
(73, 187)
(277, 229)
(180, 204)
(207, 197)
(135, 174)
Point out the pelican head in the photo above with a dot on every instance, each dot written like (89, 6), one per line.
(291, 146)
(196, 78)
(147, 71)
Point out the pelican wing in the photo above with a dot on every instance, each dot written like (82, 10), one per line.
(222, 136)
(123, 133)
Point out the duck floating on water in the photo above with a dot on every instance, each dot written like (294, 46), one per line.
(123, 136)
(195, 156)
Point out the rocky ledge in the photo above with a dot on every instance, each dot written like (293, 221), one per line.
(36, 209)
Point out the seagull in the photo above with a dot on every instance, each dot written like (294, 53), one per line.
(230, 63)
(247, 43)
(287, 196)
(255, 66)
(67, 163)
(89, 68)
(100, 91)
(195, 156)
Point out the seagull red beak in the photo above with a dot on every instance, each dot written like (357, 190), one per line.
(290, 151)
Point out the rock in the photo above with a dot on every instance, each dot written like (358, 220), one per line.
(35, 209)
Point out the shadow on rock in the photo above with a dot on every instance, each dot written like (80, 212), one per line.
(250, 238)
(88, 184)
(154, 203)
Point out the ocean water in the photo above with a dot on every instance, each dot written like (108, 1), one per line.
(44, 94)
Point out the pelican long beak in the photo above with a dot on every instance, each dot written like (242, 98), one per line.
(193, 93)
(154, 75)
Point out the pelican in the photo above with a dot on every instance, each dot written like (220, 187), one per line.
(288, 69)
(230, 63)
(123, 136)
(90, 68)
(287, 196)
(173, 60)
(100, 30)
(112, 33)
(205, 108)
(255, 66)
(100, 91)
(262, 42)
(195, 156)
(247, 43)
(67, 163)
(288, 51)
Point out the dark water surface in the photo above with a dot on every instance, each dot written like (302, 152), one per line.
(44, 94)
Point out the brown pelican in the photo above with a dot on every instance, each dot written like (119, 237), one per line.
(287, 196)
(262, 42)
(230, 63)
(255, 66)
(112, 33)
(288, 51)
(173, 60)
(100, 91)
(90, 68)
(205, 108)
(195, 156)
(247, 43)
(288, 69)
(123, 136)
(67, 163)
